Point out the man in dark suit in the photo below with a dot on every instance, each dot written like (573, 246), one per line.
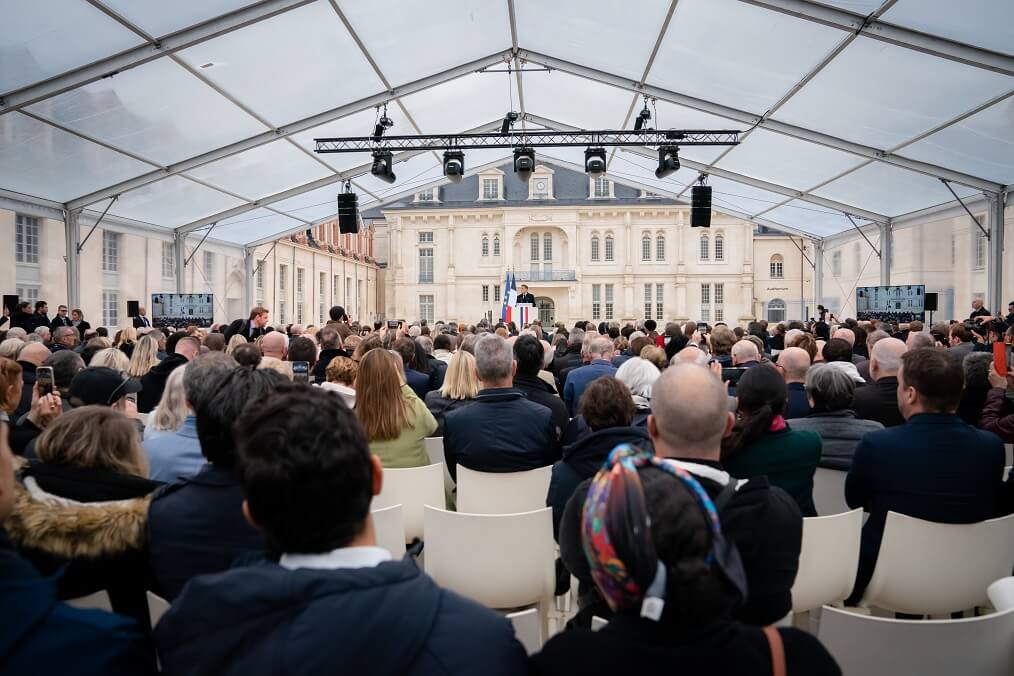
(528, 354)
(141, 321)
(879, 399)
(252, 328)
(794, 362)
(525, 296)
(41, 316)
(61, 319)
(960, 340)
(417, 380)
(935, 467)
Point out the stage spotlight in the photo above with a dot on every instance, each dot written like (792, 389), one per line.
(595, 161)
(524, 163)
(642, 117)
(700, 204)
(383, 124)
(668, 161)
(508, 121)
(383, 166)
(454, 165)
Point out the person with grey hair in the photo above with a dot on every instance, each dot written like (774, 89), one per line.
(177, 454)
(330, 347)
(64, 338)
(831, 392)
(33, 337)
(502, 431)
(600, 355)
(914, 341)
(878, 400)
(44, 334)
(65, 364)
(639, 375)
(570, 357)
(973, 397)
(17, 332)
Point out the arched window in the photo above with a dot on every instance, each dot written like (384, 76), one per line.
(777, 267)
(485, 245)
(776, 310)
(646, 248)
(705, 248)
(595, 247)
(547, 247)
(660, 248)
(719, 248)
(535, 247)
(609, 248)
(496, 245)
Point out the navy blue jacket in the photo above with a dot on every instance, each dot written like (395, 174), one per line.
(389, 619)
(41, 635)
(196, 526)
(418, 381)
(501, 432)
(796, 403)
(580, 378)
(935, 468)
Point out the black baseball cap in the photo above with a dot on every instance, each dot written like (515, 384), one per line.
(102, 386)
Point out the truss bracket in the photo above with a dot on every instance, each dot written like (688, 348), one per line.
(92, 230)
(194, 252)
(947, 184)
(860, 231)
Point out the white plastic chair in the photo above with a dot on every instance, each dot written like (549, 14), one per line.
(412, 488)
(829, 491)
(527, 629)
(864, 645)
(499, 560)
(156, 608)
(931, 568)
(598, 623)
(435, 450)
(1001, 593)
(389, 529)
(502, 493)
(828, 560)
(95, 601)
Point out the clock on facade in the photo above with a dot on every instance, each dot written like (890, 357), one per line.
(540, 186)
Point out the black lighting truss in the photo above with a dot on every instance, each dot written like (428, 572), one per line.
(531, 139)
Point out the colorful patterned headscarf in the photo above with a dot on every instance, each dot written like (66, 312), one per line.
(616, 531)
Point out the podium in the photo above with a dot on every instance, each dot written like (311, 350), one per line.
(524, 314)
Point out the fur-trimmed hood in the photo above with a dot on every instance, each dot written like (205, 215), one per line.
(71, 529)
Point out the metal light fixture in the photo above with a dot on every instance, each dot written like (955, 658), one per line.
(454, 165)
(642, 117)
(508, 121)
(383, 166)
(524, 163)
(383, 124)
(595, 161)
(668, 161)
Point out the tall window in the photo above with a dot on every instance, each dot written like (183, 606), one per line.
(168, 260)
(259, 283)
(660, 248)
(426, 195)
(348, 294)
(283, 293)
(110, 251)
(535, 247)
(705, 246)
(836, 263)
(496, 245)
(596, 301)
(111, 308)
(777, 267)
(426, 307)
(719, 302)
(719, 248)
(496, 293)
(659, 302)
(646, 248)
(300, 293)
(426, 266)
(980, 250)
(490, 189)
(485, 245)
(601, 187)
(705, 302)
(485, 293)
(610, 248)
(336, 287)
(28, 293)
(209, 269)
(609, 301)
(647, 301)
(595, 248)
(26, 239)
(547, 247)
(322, 296)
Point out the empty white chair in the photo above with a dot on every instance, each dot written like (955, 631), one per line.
(1001, 593)
(502, 493)
(435, 450)
(412, 488)
(499, 560)
(527, 629)
(931, 568)
(829, 491)
(96, 601)
(828, 560)
(864, 645)
(598, 623)
(156, 608)
(389, 529)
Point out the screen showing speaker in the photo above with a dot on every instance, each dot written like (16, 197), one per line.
(891, 303)
(180, 310)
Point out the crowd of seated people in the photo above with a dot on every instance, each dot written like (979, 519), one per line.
(230, 471)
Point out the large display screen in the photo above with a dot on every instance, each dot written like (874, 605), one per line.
(891, 303)
(180, 310)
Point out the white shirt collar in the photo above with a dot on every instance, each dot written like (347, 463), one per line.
(345, 557)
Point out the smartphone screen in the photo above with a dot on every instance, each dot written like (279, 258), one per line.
(44, 377)
(1001, 358)
(733, 374)
(392, 323)
(301, 371)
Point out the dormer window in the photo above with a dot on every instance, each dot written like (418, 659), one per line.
(540, 185)
(426, 195)
(491, 185)
(601, 187)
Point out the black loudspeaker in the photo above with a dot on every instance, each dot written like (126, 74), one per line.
(700, 206)
(132, 308)
(348, 213)
(11, 302)
(931, 302)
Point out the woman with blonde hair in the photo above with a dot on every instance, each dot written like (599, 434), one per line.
(144, 357)
(394, 419)
(9, 348)
(172, 409)
(126, 340)
(111, 358)
(234, 342)
(341, 379)
(461, 387)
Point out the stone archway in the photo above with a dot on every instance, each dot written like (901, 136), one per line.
(547, 311)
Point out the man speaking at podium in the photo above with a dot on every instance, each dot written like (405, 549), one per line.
(525, 296)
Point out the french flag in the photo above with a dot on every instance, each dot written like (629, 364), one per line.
(507, 306)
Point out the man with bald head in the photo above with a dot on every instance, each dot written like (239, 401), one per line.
(879, 399)
(31, 357)
(691, 355)
(274, 344)
(794, 362)
(600, 355)
(849, 336)
(689, 418)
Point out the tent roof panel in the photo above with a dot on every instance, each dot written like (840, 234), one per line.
(253, 225)
(159, 18)
(464, 103)
(357, 124)
(811, 218)
(581, 102)
(262, 171)
(982, 23)
(889, 190)
(172, 202)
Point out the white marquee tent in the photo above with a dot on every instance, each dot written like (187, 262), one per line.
(197, 118)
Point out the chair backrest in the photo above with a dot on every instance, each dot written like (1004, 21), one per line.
(1001, 593)
(499, 560)
(412, 488)
(435, 450)
(527, 629)
(389, 529)
(864, 645)
(502, 493)
(932, 568)
(828, 560)
(95, 601)
(156, 608)
(598, 623)
(829, 491)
